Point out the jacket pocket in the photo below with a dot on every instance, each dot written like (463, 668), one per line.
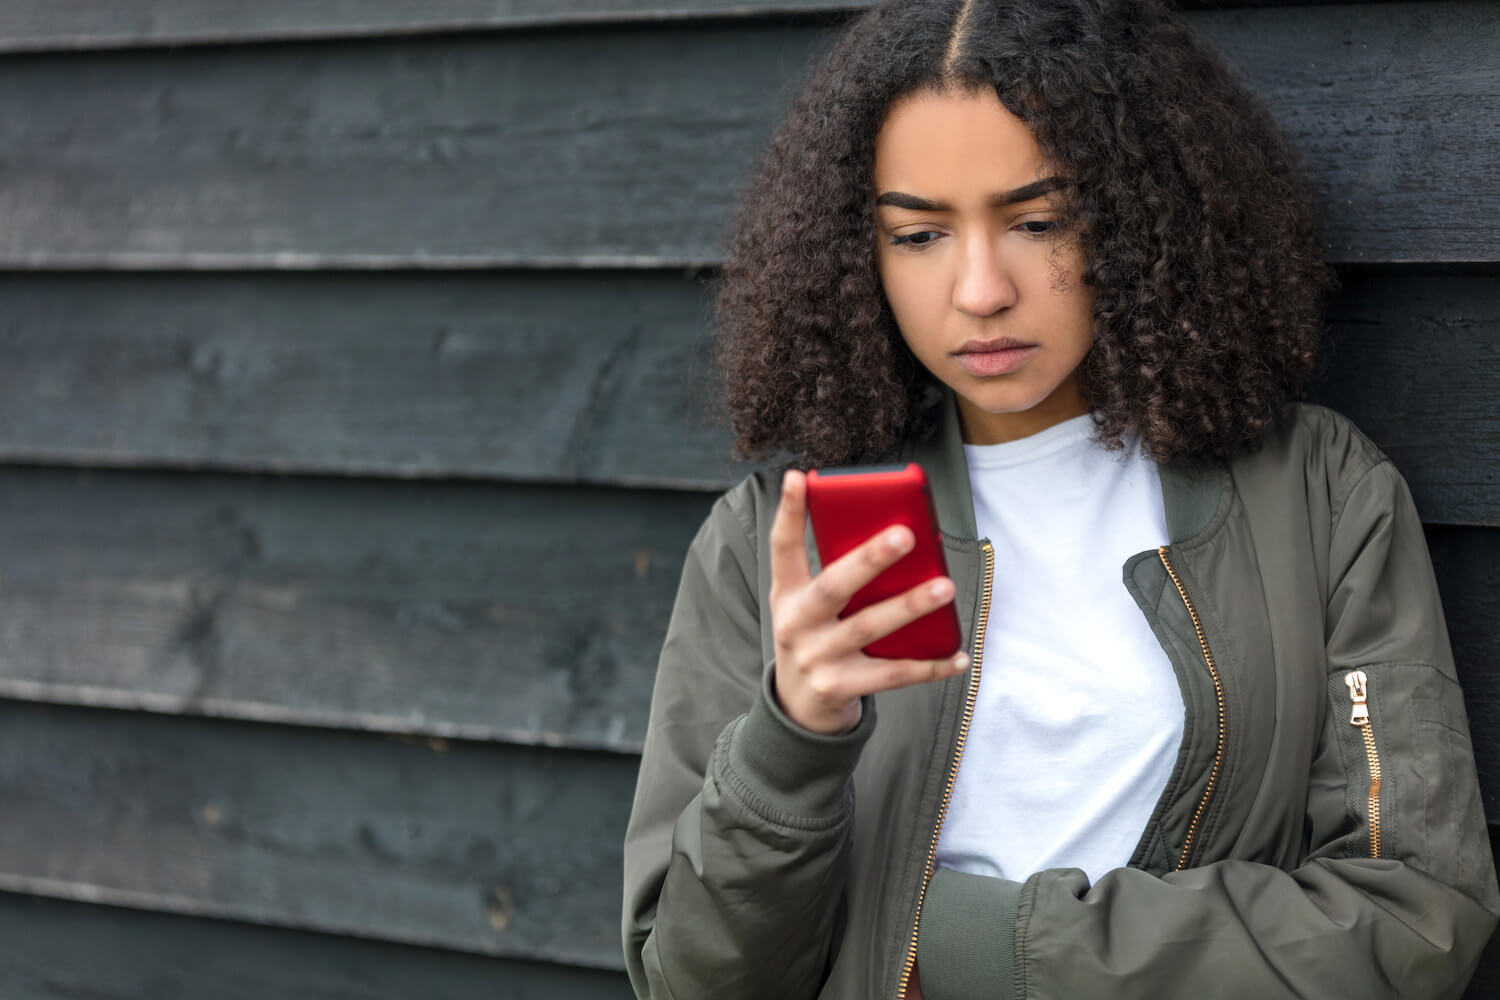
(1358, 683)
(1411, 785)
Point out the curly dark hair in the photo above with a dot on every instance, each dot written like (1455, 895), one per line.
(1194, 223)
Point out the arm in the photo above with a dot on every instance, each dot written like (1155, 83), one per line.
(737, 850)
(1410, 923)
(735, 854)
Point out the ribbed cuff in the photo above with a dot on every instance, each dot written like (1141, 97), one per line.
(966, 946)
(794, 769)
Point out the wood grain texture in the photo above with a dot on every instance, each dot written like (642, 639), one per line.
(1416, 364)
(591, 377)
(485, 849)
(134, 955)
(492, 150)
(1378, 163)
(1485, 984)
(45, 25)
(529, 615)
(56, 950)
(520, 615)
(574, 377)
(1467, 563)
(503, 852)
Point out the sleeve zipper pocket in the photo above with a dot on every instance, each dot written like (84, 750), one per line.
(1359, 716)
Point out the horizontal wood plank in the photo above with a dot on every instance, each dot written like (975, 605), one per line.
(602, 378)
(139, 955)
(1416, 365)
(486, 849)
(40, 25)
(593, 377)
(530, 615)
(147, 956)
(1467, 563)
(522, 615)
(1486, 981)
(491, 150)
(467, 848)
(44, 25)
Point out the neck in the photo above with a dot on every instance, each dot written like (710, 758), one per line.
(982, 427)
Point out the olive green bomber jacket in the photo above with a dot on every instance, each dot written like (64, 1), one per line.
(1321, 835)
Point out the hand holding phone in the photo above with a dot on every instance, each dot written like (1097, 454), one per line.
(821, 668)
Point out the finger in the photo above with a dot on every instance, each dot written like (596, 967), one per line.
(842, 578)
(880, 620)
(789, 566)
(855, 677)
(887, 675)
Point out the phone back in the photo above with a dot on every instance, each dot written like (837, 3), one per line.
(850, 505)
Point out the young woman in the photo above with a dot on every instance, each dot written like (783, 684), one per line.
(1206, 739)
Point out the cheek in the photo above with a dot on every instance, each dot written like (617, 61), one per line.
(915, 301)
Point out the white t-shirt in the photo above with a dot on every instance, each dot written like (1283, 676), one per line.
(1079, 715)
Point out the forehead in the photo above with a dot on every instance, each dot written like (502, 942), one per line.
(952, 143)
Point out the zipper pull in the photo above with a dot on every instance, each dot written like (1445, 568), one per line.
(1359, 694)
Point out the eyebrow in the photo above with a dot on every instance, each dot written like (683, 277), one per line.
(1026, 192)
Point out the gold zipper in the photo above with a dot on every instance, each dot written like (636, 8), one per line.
(1359, 696)
(976, 656)
(1213, 671)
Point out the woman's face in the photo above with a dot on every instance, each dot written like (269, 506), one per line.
(984, 285)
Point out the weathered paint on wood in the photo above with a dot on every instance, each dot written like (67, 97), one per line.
(1486, 982)
(56, 950)
(1467, 563)
(474, 849)
(1416, 364)
(42, 25)
(591, 377)
(522, 615)
(530, 615)
(1376, 132)
(563, 377)
(131, 955)
(480, 848)
(493, 150)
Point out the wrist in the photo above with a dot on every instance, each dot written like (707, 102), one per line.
(815, 719)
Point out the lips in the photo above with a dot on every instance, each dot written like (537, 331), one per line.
(994, 357)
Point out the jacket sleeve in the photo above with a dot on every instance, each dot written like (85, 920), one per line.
(1410, 922)
(737, 849)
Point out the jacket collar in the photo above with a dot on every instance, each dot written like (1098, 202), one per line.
(1194, 494)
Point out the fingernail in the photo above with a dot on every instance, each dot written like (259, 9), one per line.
(961, 662)
(898, 540)
(938, 589)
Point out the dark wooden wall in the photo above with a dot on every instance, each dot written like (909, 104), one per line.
(352, 430)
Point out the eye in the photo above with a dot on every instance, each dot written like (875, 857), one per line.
(1038, 227)
(916, 241)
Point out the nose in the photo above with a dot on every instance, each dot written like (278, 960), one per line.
(983, 285)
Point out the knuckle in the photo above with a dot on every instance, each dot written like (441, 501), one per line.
(824, 589)
(898, 674)
(823, 685)
(862, 631)
(786, 635)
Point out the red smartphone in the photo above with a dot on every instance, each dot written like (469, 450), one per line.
(850, 505)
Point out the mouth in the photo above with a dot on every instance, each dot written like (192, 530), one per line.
(994, 357)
